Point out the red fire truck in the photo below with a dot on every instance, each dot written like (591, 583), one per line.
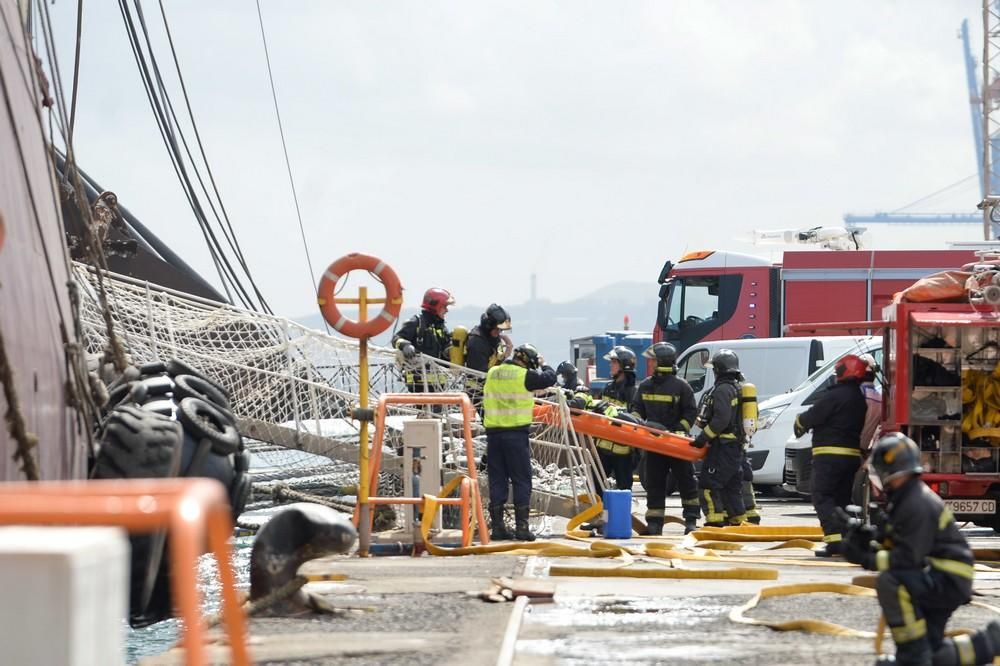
(941, 362)
(716, 295)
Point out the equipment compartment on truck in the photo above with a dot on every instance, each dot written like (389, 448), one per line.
(943, 373)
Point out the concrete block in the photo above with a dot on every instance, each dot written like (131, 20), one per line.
(65, 595)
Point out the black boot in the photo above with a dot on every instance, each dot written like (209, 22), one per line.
(499, 531)
(690, 525)
(521, 531)
(830, 550)
(984, 645)
(654, 526)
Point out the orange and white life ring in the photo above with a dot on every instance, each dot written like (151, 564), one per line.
(328, 288)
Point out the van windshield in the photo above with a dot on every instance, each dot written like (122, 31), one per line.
(827, 369)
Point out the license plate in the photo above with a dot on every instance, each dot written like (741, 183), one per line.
(971, 505)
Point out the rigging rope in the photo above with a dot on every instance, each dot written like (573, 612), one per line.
(284, 148)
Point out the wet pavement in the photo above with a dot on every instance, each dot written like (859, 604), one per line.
(395, 610)
(666, 621)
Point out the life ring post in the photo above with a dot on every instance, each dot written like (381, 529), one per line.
(362, 329)
(363, 490)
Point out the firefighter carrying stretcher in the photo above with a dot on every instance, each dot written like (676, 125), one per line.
(666, 402)
(721, 423)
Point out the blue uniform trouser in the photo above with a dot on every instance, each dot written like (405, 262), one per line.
(509, 459)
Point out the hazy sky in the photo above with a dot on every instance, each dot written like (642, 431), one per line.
(471, 144)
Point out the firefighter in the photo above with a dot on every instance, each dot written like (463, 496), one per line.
(426, 333)
(721, 430)
(481, 348)
(568, 377)
(508, 405)
(666, 402)
(836, 420)
(616, 459)
(925, 572)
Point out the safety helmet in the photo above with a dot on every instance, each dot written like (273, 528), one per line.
(566, 370)
(495, 317)
(895, 454)
(624, 356)
(528, 356)
(725, 361)
(664, 353)
(437, 300)
(871, 367)
(850, 368)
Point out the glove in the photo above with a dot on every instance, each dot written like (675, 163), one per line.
(409, 351)
(798, 429)
(858, 554)
(700, 441)
(655, 425)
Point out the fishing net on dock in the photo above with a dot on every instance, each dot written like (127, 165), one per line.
(292, 390)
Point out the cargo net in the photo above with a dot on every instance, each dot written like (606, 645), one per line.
(293, 389)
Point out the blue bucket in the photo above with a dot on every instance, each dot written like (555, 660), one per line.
(617, 514)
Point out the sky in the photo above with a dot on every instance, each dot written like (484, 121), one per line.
(471, 145)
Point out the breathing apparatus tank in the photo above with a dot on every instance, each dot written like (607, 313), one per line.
(748, 408)
(459, 338)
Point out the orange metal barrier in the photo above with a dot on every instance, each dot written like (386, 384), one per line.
(190, 509)
(468, 414)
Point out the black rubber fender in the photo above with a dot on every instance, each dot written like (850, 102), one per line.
(239, 493)
(152, 369)
(117, 394)
(136, 443)
(203, 420)
(153, 387)
(164, 406)
(193, 386)
(176, 368)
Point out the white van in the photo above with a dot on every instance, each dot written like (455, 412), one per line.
(777, 414)
(774, 366)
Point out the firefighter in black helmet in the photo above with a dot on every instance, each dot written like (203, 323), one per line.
(568, 377)
(618, 393)
(925, 571)
(721, 430)
(507, 405)
(666, 402)
(836, 420)
(482, 348)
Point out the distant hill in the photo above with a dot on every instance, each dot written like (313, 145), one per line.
(549, 325)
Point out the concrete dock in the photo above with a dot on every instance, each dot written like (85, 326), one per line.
(425, 610)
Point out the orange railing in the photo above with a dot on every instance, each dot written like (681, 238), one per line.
(192, 510)
(468, 414)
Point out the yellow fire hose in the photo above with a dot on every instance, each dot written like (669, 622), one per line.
(703, 545)
(814, 626)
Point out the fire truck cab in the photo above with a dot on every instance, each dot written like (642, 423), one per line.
(716, 295)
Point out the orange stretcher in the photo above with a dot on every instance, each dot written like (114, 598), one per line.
(622, 432)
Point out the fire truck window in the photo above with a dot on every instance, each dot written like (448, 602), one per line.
(693, 369)
(700, 301)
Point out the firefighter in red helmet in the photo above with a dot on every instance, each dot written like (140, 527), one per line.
(836, 421)
(426, 333)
